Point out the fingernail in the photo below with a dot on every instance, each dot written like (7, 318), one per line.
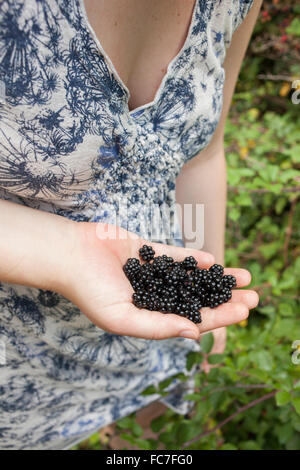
(189, 334)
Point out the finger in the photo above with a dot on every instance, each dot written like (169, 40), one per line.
(126, 319)
(243, 276)
(205, 259)
(224, 315)
(248, 297)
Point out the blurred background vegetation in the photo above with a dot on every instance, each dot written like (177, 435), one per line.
(253, 400)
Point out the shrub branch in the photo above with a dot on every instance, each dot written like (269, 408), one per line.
(231, 417)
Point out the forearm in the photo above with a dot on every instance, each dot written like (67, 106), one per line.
(33, 246)
(204, 182)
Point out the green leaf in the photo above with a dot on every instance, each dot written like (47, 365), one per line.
(144, 444)
(193, 358)
(297, 385)
(296, 422)
(185, 432)
(267, 310)
(282, 398)
(127, 437)
(233, 176)
(293, 443)
(285, 432)
(250, 445)
(207, 342)
(136, 429)
(270, 249)
(228, 447)
(259, 374)
(158, 423)
(192, 396)
(243, 200)
(215, 358)
(296, 404)
(125, 423)
(285, 309)
(263, 359)
(234, 214)
(294, 27)
(165, 383)
(280, 205)
(94, 440)
(149, 390)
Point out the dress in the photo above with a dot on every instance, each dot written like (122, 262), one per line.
(69, 145)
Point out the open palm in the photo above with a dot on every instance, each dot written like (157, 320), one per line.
(98, 286)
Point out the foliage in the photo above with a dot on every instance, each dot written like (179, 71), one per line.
(252, 399)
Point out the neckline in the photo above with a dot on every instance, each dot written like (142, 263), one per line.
(114, 71)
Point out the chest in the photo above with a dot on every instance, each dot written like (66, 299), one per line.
(65, 127)
(140, 38)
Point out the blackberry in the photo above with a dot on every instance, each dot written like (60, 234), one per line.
(179, 287)
(229, 281)
(217, 269)
(167, 259)
(189, 263)
(180, 273)
(161, 264)
(132, 267)
(195, 317)
(215, 285)
(201, 275)
(146, 253)
(227, 294)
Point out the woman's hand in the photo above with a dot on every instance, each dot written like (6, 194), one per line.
(94, 280)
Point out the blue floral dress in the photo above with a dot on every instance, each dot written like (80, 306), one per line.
(69, 145)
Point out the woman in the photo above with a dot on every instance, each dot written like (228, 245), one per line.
(106, 103)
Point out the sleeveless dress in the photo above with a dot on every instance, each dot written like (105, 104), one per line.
(69, 145)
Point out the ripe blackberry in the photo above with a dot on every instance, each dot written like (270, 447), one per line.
(146, 253)
(183, 292)
(227, 294)
(159, 266)
(189, 263)
(215, 285)
(167, 259)
(201, 275)
(179, 287)
(132, 267)
(181, 273)
(195, 317)
(208, 278)
(229, 281)
(146, 272)
(217, 269)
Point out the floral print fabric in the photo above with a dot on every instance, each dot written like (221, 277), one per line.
(69, 145)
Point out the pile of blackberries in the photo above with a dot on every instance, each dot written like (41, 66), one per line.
(180, 287)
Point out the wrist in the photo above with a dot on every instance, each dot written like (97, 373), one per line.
(60, 257)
